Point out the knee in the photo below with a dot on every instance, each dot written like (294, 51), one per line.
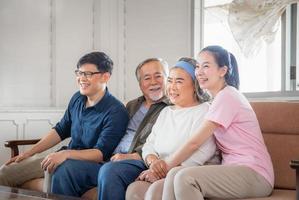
(137, 190)
(154, 191)
(66, 169)
(6, 176)
(107, 172)
(169, 180)
(3, 180)
(182, 179)
(171, 174)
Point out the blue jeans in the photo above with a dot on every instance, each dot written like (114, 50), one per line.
(115, 177)
(75, 177)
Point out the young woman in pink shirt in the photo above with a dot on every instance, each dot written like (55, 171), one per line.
(246, 170)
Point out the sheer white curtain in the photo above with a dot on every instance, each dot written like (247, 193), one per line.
(251, 21)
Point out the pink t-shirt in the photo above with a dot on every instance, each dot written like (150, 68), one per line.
(239, 136)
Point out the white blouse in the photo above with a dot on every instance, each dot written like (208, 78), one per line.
(173, 128)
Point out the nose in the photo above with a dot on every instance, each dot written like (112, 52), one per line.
(198, 71)
(171, 85)
(153, 81)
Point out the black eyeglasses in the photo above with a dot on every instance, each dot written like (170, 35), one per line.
(85, 74)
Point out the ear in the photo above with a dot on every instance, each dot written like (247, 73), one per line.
(223, 70)
(106, 76)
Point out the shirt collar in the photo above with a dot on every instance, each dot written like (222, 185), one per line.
(164, 99)
(102, 103)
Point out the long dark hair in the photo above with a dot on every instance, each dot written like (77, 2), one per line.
(225, 58)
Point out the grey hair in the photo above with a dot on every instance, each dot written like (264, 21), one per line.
(161, 61)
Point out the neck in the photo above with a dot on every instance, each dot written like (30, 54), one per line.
(217, 89)
(187, 104)
(94, 99)
(148, 102)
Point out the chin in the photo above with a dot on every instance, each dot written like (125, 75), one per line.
(155, 97)
(83, 92)
(173, 101)
(203, 86)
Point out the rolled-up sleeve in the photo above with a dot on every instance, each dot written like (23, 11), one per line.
(63, 127)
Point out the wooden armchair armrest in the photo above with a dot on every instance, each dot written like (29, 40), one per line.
(14, 145)
(295, 165)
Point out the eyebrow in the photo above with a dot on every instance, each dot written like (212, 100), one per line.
(156, 73)
(204, 63)
(179, 78)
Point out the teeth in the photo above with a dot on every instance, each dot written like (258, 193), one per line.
(203, 79)
(83, 85)
(154, 89)
(174, 95)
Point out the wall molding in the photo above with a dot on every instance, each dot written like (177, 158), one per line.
(22, 124)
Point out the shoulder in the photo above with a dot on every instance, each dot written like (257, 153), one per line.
(134, 102)
(76, 97)
(229, 95)
(203, 107)
(115, 104)
(198, 109)
(165, 111)
(133, 105)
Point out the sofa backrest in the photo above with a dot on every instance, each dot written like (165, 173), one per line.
(279, 122)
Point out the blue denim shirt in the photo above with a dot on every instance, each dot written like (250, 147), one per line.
(98, 127)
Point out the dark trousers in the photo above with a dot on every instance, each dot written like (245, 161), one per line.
(75, 177)
(115, 177)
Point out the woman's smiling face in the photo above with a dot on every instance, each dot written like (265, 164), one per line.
(208, 73)
(180, 88)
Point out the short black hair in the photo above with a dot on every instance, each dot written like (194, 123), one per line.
(101, 60)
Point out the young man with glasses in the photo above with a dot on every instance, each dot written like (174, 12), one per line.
(95, 120)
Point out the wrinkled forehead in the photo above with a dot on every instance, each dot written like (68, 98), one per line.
(153, 67)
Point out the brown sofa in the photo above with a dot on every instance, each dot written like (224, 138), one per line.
(279, 122)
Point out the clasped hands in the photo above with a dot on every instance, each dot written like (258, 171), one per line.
(157, 170)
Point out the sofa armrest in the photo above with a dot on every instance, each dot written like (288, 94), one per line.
(295, 165)
(14, 145)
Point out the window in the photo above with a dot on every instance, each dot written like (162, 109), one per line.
(268, 72)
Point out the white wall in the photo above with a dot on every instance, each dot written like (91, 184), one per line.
(42, 40)
(155, 29)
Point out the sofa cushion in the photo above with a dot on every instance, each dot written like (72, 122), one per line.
(283, 148)
(280, 128)
(278, 195)
(277, 117)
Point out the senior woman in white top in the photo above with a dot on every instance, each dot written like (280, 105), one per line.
(173, 127)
